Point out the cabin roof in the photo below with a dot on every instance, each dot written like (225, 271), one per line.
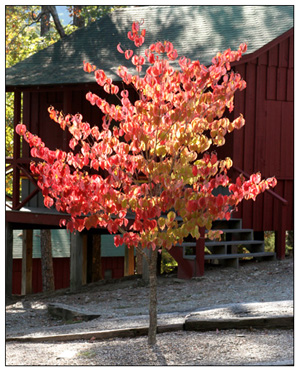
(197, 32)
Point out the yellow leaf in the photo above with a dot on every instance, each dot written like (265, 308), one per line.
(171, 216)
(161, 223)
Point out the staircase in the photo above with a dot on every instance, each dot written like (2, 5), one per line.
(236, 244)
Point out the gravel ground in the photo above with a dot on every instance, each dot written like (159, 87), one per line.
(126, 301)
(232, 347)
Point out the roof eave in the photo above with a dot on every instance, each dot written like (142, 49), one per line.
(251, 56)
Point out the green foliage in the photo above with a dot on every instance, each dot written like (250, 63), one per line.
(9, 124)
(168, 264)
(91, 13)
(22, 39)
(270, 241)
(289, 242)
(22, 33)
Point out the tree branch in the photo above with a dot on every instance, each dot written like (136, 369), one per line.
(58, 25)
(52, 10)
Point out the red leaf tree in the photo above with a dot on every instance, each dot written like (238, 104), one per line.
(154, 152)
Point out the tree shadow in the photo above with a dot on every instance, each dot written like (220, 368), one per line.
(159, 355)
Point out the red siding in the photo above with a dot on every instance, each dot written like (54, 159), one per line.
(61, 268)
(115, 264)
(265, 144)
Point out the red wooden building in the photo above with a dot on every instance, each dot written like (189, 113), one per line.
(54, 76)
(266, 143)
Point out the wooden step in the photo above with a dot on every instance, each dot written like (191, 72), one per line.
(221, 243)
(233, 242)
(225, 252)
(233, 260)
(232, 255)
(234, 223)
(234, 231)
(237, 255)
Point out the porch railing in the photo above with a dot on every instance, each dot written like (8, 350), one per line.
(280, 233)
(19, 168)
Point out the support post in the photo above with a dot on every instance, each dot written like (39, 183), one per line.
(89, 256)
(17, 146)
(27, 262)
(128, 261)
(139, 262)
(200, 246)
(97, 264)
(76, 262)
(280, 235)
(84, 259)
(67, 109)
(8, 259)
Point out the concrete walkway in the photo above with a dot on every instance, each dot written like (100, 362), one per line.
(234, 316)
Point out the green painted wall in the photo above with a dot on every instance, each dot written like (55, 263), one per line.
(61, 244)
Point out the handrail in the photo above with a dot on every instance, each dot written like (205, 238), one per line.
(274, 194)
(19, 169)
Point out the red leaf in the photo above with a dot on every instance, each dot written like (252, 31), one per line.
(120, 50)
(118, 240)
(48, 201)
(192, 206)
(219, 200)
(91, 221)
(21, 129)
(88, 67)
(128, 54)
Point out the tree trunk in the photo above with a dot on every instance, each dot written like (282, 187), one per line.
(78, 20)
(44, 17)
(47, 263)
(45, 20)
(153, 298)
(58, 25)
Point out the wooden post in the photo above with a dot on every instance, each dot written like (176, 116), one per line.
(128, 261)
(139, 262)
(16, 156)
(97, 265)
(27, 262)
(67, 109)
(8, 259)
(89, 256)
(280, 234)
(76, 262)
(200, 246)
(84, 259)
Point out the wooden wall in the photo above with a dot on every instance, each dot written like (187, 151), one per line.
(266, 143)
(68, 99)
(112, 267)
(61, 268)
